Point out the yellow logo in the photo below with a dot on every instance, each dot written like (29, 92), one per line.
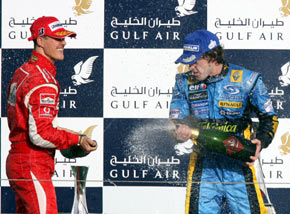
(34, 58)
(82, 7)
(285, 9)
(62, 33)
(236, 76)
(285, 147)
(230, 104)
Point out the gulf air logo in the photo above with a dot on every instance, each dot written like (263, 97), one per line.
(82, 7)
(285, 9)
(185, 8)
(285, 147)
(233, 145)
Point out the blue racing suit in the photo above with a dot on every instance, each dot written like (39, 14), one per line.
(225, 102)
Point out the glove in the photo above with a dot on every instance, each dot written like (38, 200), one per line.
(184, 148)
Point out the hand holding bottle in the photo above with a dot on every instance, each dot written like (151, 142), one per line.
(88, 144)
(258, 149)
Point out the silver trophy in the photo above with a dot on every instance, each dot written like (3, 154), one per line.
(80, 202)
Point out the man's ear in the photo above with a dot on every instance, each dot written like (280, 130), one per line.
(39, 41)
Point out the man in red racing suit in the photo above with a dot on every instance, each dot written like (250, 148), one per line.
(33, 97)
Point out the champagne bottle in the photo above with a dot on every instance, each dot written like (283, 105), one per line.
(224, 143)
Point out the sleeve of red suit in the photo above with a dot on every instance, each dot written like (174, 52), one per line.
(42, 104)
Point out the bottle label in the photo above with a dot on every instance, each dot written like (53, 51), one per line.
(233, 145)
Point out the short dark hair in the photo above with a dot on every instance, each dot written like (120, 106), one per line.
(216, 54)
(35, 44)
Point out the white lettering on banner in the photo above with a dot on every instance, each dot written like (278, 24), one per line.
(71, 104)
(175, 174)
(167, 36)
(145, 22)
(279, 104)
(126, 35)
(144, 104)
(127, 173)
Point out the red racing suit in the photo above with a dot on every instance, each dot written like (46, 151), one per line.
(33, 97)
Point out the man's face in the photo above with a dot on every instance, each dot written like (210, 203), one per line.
(53, 48)
(201, 69)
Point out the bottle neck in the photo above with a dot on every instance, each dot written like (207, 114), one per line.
(194, 133)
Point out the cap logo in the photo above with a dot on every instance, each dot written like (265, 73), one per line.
(212, 44)
(41, 31)
(189, 59)
(188, 47)
(62, 33)
(55, 25)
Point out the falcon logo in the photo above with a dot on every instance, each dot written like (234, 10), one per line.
(285, 9)
(233, 145)
(83, 71)
(82, 7)
(284, 79)
(285, 147)
(185, 8)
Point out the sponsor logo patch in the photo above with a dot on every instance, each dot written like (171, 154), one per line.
(41, 31)
(268, 106)
(47, 98)
(199, 104)
(229, 113)
(194, 87)
(46, 111)
(201, 111)
(188, 47)
(236, 75)
(198, 96)
(174, 113)
(189, 59)
(55, 26)
(231, 89)
(62, 33)
(227, 104)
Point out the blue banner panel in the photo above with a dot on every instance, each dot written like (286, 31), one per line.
(80, 76)
(11, 60)
(65, 197)
(274, 66)
(152, 24)
(141, 152)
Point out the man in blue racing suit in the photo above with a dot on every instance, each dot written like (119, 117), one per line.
(222, 96)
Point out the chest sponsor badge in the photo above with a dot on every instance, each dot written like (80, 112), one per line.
(46, 111)
(46, 98)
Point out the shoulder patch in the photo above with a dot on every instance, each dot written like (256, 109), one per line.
(236, 75)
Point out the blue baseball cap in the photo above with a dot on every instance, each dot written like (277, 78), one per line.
(196, 44)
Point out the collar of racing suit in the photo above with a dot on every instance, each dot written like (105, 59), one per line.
(39, 59)
(219, 77)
